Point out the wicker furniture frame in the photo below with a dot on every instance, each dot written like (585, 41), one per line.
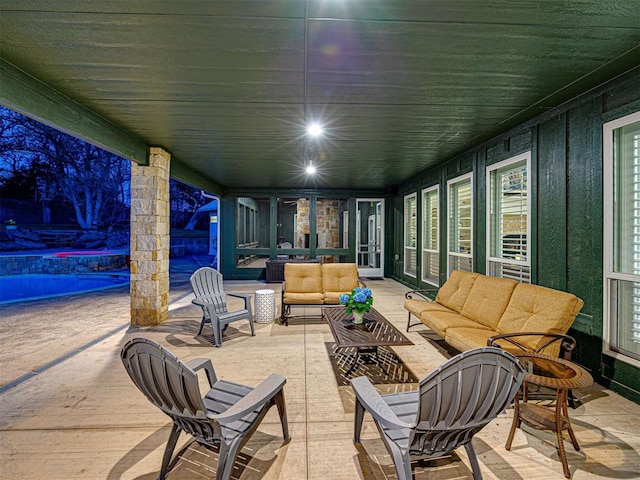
(560, 375)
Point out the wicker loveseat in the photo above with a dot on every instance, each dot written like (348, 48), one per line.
(471, 310)
(313, 284)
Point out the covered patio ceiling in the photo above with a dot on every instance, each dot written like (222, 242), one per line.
(227, 87)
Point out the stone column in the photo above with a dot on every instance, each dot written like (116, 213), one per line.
(150, 237)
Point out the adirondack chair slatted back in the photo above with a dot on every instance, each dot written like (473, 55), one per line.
(227, 415)
(208, 284)
(462, 396)
(169, 384)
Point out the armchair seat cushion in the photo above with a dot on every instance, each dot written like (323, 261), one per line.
(468, 338)
(417, 307)
(294, 298)
(333, 298)
(440, 322)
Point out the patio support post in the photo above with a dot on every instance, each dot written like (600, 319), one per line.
(150, 237)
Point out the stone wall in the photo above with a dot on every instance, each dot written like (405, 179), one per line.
(26, 264)
(328, 219)
(302, 225)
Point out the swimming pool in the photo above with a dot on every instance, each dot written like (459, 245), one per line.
(15, 288)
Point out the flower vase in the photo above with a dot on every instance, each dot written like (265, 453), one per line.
(358, 318)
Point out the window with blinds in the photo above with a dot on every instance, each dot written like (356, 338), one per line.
(430, 235)
(460, 224)
(507, 219)
(410, 234)
(622, 247)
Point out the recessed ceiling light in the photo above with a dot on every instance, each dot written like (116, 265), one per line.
(315, 130)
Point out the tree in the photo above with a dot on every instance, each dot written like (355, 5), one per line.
(42, 163)
(185, 200)
(49, 164)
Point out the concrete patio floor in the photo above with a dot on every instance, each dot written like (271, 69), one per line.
(68, 410)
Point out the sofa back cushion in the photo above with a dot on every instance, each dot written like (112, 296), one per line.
(303, 278)
(455, 290)
(539, 309)
(488, 299)
(339, 277)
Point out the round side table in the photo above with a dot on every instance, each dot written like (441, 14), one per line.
(560, 375)
(265, 306)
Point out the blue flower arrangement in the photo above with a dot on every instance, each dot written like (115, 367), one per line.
(359, 300)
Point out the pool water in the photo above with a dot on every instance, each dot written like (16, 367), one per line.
(15, 288)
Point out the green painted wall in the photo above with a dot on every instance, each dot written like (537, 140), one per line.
(567, 210)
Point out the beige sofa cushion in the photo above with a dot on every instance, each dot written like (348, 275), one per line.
(539, 309)
(304, 298)
(416, 307)
(465, 338)
(441, 321)
(303, 278)
(338, 278)
(455, 290)
(488, 299)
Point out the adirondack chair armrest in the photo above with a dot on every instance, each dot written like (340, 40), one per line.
(203, 364)
(199, 301)
(253, 400)
(245, 296)
(369, 397)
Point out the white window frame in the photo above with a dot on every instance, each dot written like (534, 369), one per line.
(491, 260)
(410, 248)
(450, 254)
(609, 276)
(426, 252)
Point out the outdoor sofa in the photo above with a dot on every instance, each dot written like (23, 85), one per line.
(314, 284)
(472, 310)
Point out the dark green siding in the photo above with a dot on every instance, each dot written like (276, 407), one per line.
(567, 210)
(551, 261)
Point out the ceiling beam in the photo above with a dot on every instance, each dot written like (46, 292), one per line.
(27, 95)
